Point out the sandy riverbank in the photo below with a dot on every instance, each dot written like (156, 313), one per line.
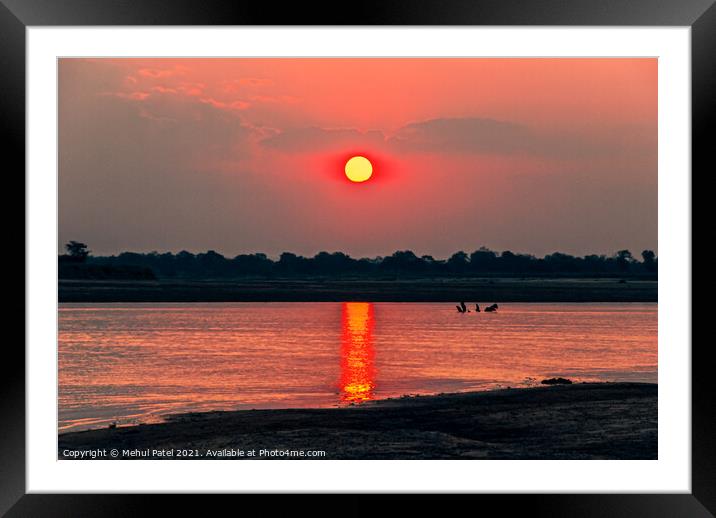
(580, 421)
(493, 289)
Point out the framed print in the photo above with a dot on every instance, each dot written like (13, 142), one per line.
(421, 250)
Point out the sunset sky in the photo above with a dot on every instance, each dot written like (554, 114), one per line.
(247, 155)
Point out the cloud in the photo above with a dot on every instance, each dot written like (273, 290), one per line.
(471, 135)
(476, 136)
(233, 85)
(221, 105)
(444, 135)
(316, 138)
(274, 99)
(465, 135)
(188, 89)
(132, 96)
(185, 93)
(156, 73)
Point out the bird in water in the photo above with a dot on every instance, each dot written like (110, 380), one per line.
(477, 308)
(462, 308)
(491, 309)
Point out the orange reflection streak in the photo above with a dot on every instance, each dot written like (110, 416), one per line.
(357, 353)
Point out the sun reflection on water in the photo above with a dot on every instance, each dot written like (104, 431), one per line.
(357, 354)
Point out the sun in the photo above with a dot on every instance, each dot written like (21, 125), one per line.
(359, 169)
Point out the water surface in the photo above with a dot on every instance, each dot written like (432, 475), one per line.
(135, 363)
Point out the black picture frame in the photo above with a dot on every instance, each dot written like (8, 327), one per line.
(700, 15)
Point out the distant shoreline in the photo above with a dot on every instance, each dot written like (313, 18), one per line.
(492, 289)
(579, 421)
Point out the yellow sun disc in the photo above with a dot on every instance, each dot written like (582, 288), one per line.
(359, 169)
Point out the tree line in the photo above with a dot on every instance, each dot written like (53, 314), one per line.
(406, 263)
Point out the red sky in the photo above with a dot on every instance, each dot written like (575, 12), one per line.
(246, 155)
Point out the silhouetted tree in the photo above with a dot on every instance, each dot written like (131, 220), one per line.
(252, 264)
(559, 262)
(77, 250)
(483, 260)
(290, 263)
(458, 262)
(213, 263)
(403, 262)
(624, 260)
(649, 260)
(332, 263)
(595, 263)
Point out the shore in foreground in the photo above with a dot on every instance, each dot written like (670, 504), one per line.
(580, 421)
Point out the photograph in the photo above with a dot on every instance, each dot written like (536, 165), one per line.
(357, 258)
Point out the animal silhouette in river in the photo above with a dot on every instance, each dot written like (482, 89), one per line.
(462, 308)
(477, 308)
(491, 309)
